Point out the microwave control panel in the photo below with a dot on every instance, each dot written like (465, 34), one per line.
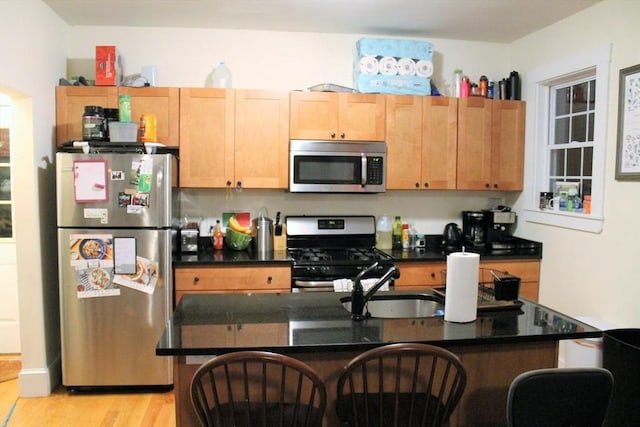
(375, 170)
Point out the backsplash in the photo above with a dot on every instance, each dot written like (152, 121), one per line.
(427, 211)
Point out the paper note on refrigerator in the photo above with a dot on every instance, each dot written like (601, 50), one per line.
(90, 181)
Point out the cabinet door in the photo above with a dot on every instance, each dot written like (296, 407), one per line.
(507, 145)
(164, 103)
(70, 103)
(261, 147)
(314, 115)
(474, 144)
(404, 142)
(361, 117)
(337, 116)
(439, 142)
(206, 138)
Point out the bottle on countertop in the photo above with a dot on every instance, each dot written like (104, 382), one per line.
(383, 233)
(397, 233)
(405, 237)
(217, 236)
(222, 76)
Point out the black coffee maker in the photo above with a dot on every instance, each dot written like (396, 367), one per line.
(473, 229)
(499, 228)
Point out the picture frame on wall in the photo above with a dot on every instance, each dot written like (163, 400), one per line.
(628, 147)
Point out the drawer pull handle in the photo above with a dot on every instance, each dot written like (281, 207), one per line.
(196, 280)
(269, 279)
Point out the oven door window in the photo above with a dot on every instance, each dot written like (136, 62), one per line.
(327, 169)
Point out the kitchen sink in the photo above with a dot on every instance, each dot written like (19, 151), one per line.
(400, 305)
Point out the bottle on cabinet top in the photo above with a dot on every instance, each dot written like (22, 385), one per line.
(222, 76)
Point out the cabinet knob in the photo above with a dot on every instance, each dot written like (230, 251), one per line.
(417, 185)
(426, 185)
(196, 280)
(487, 185)
(239, 185)
(269, 279)
(333, 135)
(433, 275)
(342, 135)
(495, 185)
(228, 183)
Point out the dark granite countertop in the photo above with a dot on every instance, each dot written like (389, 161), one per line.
(312, 322)
(434, 251)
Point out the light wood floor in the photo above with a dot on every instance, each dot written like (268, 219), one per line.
(62, 409)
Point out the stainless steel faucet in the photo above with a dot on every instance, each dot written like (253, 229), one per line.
(359, 299)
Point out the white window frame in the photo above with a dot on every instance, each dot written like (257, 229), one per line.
(539, 82)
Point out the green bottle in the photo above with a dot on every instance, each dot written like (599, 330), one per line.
(397, 233)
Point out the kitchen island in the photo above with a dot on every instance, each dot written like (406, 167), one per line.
(315, 328)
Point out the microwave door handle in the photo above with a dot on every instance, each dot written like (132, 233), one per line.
(363, 177)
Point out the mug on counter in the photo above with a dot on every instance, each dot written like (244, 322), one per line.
(553, 204)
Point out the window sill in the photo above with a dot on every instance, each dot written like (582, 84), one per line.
(570, 220)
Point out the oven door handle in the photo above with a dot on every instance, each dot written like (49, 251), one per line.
(314, 283)
(363, 171)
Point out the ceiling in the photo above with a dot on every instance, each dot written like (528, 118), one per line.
(500, 21)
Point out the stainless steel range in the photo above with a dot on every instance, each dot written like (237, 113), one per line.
(325, 248)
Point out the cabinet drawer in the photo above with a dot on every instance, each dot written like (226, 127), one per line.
(427, 274)
(230, 279)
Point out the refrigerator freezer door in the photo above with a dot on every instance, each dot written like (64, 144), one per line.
(110, 322)
(114, 190)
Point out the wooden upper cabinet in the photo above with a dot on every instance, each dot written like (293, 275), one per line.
(490, 144)
(207, 121)
(70, 103)
(507, 145)
(474, 144)
(234, 138)
(262, 139)
(404, 142)
(163, 102)
(439, 142)
(337, 116)
(422, 128)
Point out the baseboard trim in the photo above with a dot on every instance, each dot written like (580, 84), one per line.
(39, 382)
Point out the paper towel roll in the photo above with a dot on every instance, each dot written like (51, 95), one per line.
(388, 66)
(424, 68)
(369, 65)
(406, 67)
(461, 294)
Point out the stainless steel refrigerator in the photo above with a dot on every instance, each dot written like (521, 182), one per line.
(114, 214)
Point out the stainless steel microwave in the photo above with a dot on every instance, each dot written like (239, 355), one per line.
(337, 166)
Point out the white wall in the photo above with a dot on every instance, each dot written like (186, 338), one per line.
(585, 274)
(32, 50)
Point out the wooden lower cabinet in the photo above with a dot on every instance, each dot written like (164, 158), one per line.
(416, 276)
(232, 279)
(490, 371)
